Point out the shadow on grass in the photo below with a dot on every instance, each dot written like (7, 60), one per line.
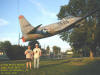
(88, 69)
(52, 65)
(64, 67)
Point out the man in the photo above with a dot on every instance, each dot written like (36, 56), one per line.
(28, 54)
(37, 54)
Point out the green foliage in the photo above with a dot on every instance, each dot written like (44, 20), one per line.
(43, 52)
(5, 45)
(76, 55)
(56, 50)
(63, 12)
(86, 37)
(47, 50)
(32, 44)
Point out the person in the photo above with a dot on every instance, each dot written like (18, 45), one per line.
(36, 55)
(28, 54)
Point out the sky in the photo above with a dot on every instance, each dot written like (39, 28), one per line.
(36, 12)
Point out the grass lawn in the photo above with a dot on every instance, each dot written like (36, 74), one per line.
(73, 66)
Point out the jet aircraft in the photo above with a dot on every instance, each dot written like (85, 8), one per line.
(34, 33)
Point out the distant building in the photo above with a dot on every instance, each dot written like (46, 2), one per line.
(70, 52)
(3, 55)
(1, 52)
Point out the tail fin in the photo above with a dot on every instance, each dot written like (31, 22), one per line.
(26, 27)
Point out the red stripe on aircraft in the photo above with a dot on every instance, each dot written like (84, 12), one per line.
(23, 39)
(21, 16)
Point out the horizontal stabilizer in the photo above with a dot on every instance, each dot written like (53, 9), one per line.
(33, 30)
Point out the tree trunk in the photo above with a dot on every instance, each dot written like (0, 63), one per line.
(91, 54)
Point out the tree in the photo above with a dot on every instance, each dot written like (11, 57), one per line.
(56, 50)
(5, 46)
(48, 50)
(32, 44)
(43, 52)
(83, 37)
(13, 51)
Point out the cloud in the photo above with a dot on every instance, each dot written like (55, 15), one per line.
(43, 10)
(3, 22)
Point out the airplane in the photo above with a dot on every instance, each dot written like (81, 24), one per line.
(34, 33)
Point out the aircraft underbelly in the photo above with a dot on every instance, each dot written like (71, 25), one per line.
(33, 37)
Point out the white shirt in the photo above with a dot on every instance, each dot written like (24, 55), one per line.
(28, 53)
(36, 52)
